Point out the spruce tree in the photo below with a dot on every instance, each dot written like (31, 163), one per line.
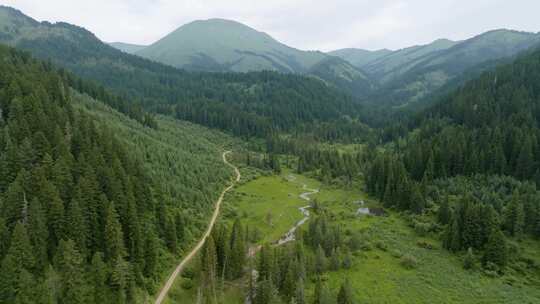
(444, 213)
(496, 250)
(97, 279)
(238, 250)
(345, 294)
(69, 264)
(468, 261)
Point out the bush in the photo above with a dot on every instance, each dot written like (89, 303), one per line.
(187, 284)
(425, 245)
(188, 273)
(408, 262)
(381, 245)
(397, 254)
(422, 229)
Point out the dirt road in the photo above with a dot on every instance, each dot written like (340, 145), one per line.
(185, 260)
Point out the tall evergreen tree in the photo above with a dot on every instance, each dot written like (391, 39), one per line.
(345, 294)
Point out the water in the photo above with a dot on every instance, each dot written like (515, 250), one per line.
(290, 235)
(362, 210)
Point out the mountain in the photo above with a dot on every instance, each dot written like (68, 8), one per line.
(247, 104)
(359, 57)
(219, 45)
(434, 70)
(127, 47)
(225, 45)
(413, 73)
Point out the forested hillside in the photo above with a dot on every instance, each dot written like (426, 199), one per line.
(474, 154)
(87, 216)
(249, 104)
(411, 74)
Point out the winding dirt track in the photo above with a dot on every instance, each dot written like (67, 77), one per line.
(180, 267)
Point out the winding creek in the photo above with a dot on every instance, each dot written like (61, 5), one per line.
(290, 235)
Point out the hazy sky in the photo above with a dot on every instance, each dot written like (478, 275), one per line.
(305, 24)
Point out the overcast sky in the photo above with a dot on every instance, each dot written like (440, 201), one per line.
(304, 24)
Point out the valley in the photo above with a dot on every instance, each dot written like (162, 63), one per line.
(269, 205)
(219, 165)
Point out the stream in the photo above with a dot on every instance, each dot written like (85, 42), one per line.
(290, 235)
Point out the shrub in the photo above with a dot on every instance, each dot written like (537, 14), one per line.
(381, 245)
(425, 245)
(188, 273)
(187, 284)
(408, 262)
(397, 254)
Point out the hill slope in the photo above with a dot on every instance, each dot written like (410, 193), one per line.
(85, 190)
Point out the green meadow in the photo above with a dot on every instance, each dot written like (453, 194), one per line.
(269, 203)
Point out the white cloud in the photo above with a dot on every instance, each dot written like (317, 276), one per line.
(305, 24)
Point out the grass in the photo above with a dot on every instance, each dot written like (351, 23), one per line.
(269, 203)
(378, 276)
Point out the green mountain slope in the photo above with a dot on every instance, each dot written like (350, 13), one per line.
(127, 47)
(413, 73)
(433, 71)
(219, 44)
(92, 199)
(223, 45)
(392, 65)
(255, 103)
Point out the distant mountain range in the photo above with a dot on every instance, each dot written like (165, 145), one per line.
(217, 45)
(395, 77)
(412, 73)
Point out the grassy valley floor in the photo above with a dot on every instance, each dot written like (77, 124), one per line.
(270, 205)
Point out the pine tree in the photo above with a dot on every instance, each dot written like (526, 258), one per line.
(26, 291)
(97, 278)
(150, 255)
(468, 261)
(69, 264)
(452, 239)
(320, 261)
(514, 220)
(321, 293)
(335, 262)
(496, 250)
(417, 200)
(76, 226)
(209, 269)
(444, 213)
(345, 294)
(114, 240)
(21, 249)
(39, 235)
(347, 259)
(9, 278)
(238, 250)
(299, 294)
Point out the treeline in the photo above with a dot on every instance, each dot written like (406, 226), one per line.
(486, 210)
(328, 164)
(223, 257)
(277, 274)
(282, 272)
(80, 221)
(489, 126)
